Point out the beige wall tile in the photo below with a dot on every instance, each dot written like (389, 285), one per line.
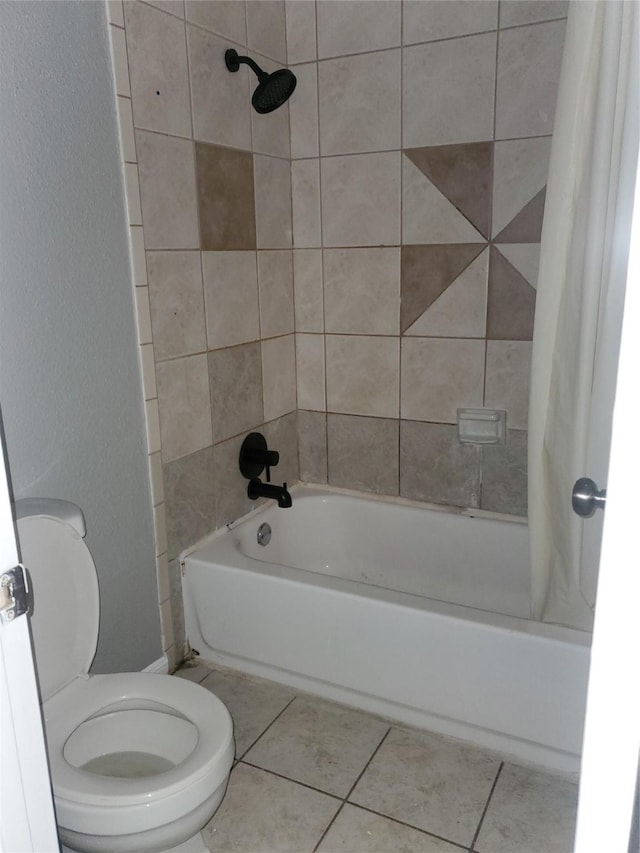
(439, 376)
(147, 366)
(353, 26)
(529, 60)
(266, 29)
(190, 499)
(158, 70)
(152, 423)
(225, 17)
(301, 30)
(305, 201)
(138, 259)
(363, 375)
(504, 475)
(162, 571)
(282, 435)
(303, 110)
(361, 200)
(463, 68)
(435, 467)
(427, 20)
(160, 528)
(272, 202)
(279, 376)
(520, 168)
(307, 281)
(132, 190)
(363, 453)
(173, 7)
(221, 109)
(155, 478)
(120, 62)
(360, 100)
(125, 126)
(143, 315)
(362, 291)
(517, 12)
(235, 377)
(231, 298)
(226, 200)
(115, 12)
(507, 384)
(177, 306)
(185, 410)
(310, 372)
(275, 278)
(168, 191)
(312, 446)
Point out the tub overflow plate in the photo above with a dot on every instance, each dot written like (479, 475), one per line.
(264, 534)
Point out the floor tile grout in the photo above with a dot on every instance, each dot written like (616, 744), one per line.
(409, 826)
(277, 717)
(486, 807)
(336, 797)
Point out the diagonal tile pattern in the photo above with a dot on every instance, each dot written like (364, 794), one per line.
(401, 790)
(511, 302)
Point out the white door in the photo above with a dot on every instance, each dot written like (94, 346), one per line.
(27, 820)
(612, 728)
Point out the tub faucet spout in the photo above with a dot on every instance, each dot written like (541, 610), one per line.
(257, 489)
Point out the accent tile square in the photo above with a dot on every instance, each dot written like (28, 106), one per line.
(435, 467)
(429, 782)
(361, 200)
(235, 376)
(504, 475)
(363, 375)
(312, 446)
(439, 376)
(168, 191)
(177, 306)
(464, 68)
(362, 291)
(190, 499)
(359, 100)
(185, 410)
(231, 298)
(158, 69)
(376, 470)
(319, 744)
(225, 198)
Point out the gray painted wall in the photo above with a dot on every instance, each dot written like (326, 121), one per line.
(70, 386)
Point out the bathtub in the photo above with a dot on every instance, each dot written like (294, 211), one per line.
(417, 614)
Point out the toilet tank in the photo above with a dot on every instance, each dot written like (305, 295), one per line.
(62, 576)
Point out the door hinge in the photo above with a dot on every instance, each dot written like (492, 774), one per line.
(15, 596)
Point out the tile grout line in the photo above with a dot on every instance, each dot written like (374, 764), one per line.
(288, 779)
(486, 807)
(412, 826)
(277, 717)
(350, 791)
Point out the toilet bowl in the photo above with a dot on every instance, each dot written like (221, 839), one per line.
(139, 762)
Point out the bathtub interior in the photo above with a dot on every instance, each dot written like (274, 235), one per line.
(454, 557)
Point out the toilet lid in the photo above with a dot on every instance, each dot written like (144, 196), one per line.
(66, 605)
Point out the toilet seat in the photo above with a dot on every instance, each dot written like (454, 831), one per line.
(85, 801)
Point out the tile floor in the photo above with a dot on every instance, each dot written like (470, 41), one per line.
(311, 775)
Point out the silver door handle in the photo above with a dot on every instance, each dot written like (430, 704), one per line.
(586, 497)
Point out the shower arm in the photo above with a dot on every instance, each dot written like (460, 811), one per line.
(233, 62)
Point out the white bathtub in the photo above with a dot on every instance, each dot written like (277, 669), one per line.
(413, 613)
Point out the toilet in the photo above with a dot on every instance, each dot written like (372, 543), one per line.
(139, 762)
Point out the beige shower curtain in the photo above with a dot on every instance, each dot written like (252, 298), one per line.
(585, 240)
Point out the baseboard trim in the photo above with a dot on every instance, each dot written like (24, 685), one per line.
(160, 666)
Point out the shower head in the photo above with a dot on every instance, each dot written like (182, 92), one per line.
(272, 90)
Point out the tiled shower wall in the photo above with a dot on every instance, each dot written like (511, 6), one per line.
(420, 137)
(208, 186)
(407, 174)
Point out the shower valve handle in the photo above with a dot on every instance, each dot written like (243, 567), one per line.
(587, 498)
